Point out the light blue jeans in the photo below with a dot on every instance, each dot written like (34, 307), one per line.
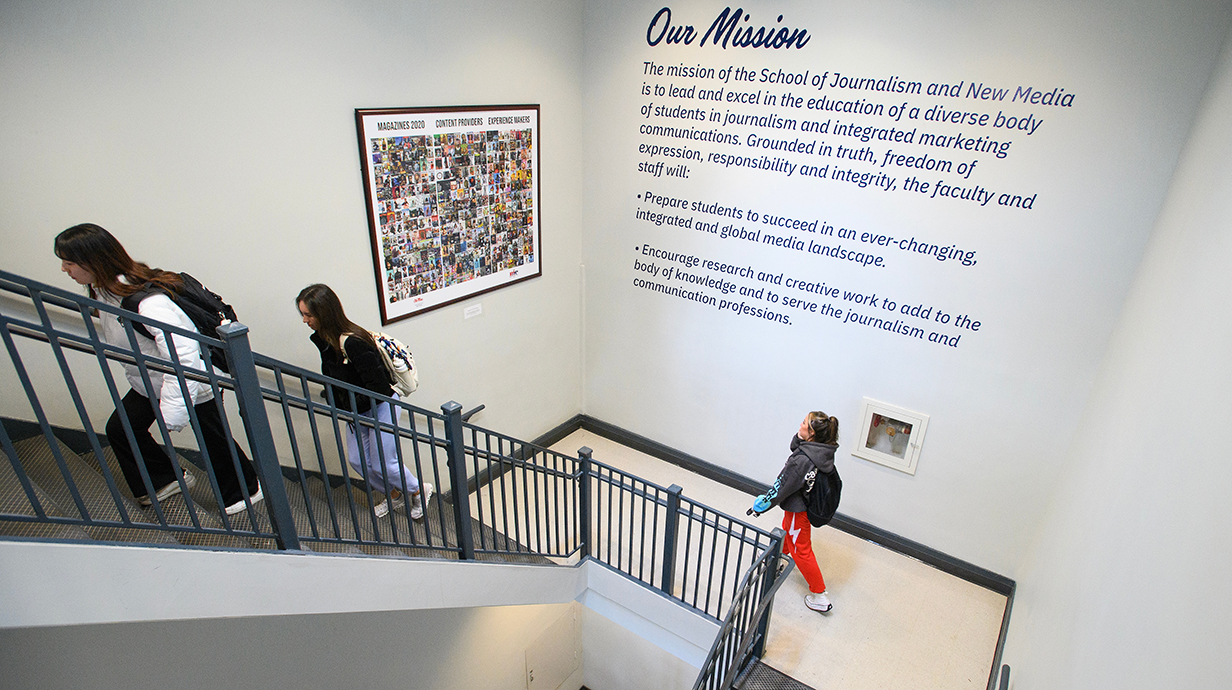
(383, 465)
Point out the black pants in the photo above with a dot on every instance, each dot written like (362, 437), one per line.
(140, 412)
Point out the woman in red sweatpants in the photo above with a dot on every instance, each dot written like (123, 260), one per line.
(812, 451)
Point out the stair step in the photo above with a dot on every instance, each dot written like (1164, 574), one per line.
(439, 532)
(13, 501)
(346, 522)
(415, 538)
(100, 503)
(409, 532)
(759, 676)
(176, 510)
(302, 501)
(339, 524)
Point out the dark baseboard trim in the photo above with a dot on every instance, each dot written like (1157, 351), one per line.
(559, 433)
(77, 440)
(655, 450)
(954, 566)
(944, 562)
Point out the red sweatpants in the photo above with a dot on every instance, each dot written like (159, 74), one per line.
(799, 546)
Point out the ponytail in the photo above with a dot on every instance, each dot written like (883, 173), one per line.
(824, 427)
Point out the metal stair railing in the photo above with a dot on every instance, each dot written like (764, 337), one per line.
(742, 639)
(499, 498)
(35, 321)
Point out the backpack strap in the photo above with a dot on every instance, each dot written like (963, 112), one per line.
(342, 346)
(133, 302)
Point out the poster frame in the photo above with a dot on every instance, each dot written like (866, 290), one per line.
(375, 123)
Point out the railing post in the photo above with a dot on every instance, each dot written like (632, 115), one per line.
(583, 489)
(669, 537)
(260, 438)
(763, 626)
(456, 462)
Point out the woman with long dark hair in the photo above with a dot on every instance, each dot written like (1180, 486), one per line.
(349, 353)
(92, 257)
(812, 451)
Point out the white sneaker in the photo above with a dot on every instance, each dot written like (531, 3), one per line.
(818, 602)
(381, 509)
(419, 499)
(169, 490)
(239, 506)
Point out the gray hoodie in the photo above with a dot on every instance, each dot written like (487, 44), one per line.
(788, 489)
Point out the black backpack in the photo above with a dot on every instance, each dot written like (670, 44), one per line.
(822, 496)
(206, 309)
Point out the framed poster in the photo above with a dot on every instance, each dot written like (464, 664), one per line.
(890, 435)
(453, 202)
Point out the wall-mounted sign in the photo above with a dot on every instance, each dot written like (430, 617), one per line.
(890, 435)
(453, 202)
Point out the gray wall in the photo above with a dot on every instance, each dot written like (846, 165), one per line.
(434, 648)
(86, 611)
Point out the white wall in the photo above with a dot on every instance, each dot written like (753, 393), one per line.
(1126, 587)
(73, 611)
(1046, 285)
(219, 138)
(429, 623)
(639, 664)
(233, 123)
(47, 584)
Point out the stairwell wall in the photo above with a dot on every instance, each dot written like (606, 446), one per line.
(219, 139)
(430, 649)
(1045, 283)
(95, 611)
(1125, 585)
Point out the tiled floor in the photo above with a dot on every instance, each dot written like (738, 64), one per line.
(896, 623)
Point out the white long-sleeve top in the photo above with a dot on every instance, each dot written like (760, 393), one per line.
(167, 390)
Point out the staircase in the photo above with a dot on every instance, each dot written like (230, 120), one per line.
(500, 499)
(320, 507)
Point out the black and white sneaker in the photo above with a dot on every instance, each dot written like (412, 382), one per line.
(239, 506)
(168, 491)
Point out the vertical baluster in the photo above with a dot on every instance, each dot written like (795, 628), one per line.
(772, 574)
(457, 477)
(669, 538)
(583, 501)
(260, 438)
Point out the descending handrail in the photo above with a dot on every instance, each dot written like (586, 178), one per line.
(752, 638)
(119, 356)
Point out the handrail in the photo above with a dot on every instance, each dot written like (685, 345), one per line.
(222, 380)
(501, 496)
(751, 638)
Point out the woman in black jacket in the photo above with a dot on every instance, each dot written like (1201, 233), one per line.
(812, 450)
(350, 354)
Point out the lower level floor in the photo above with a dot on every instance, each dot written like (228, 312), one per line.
(896, 622)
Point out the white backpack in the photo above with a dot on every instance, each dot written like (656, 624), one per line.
(399, 363)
